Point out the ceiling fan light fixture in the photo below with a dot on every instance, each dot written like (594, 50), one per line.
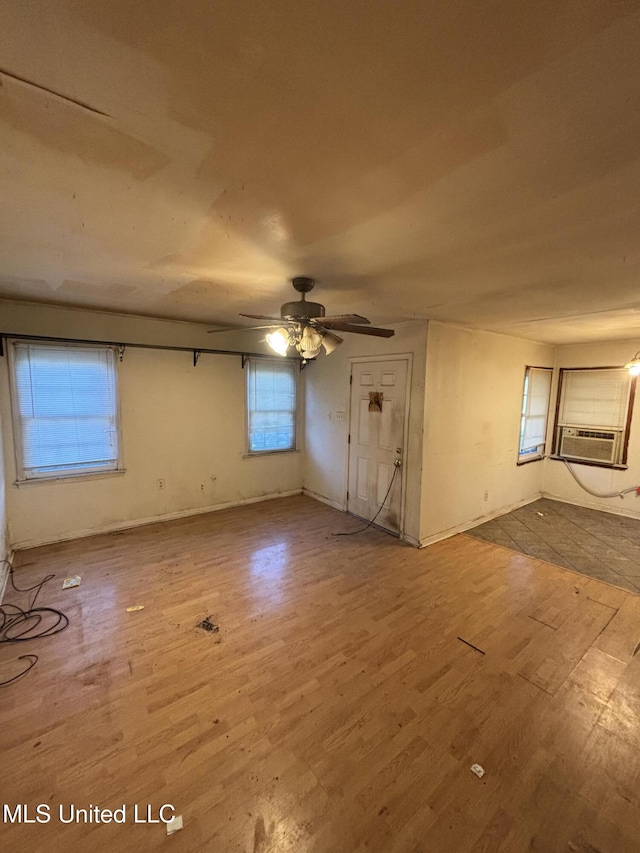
(279, 341)
(330, 342)
(633, 366)
(310, 343)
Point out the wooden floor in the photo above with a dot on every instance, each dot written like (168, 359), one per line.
(337, 708)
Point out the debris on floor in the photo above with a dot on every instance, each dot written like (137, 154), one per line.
(467, 643)
(478, 770)
(135, 607)
(174, 824)
(69, 583)
(541, 514)
(208, 625)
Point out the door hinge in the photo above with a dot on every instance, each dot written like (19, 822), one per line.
(351, 379)
(349, 439)
(347, 495)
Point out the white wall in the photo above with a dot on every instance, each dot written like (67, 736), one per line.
(181, 423)
(327, 392)
(472, 422)
(558, 482)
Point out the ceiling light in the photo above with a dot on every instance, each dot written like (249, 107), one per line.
(330, 342)
(633, 366)
(310, 343)
(279, 341)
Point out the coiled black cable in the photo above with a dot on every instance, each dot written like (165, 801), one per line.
(18, 625)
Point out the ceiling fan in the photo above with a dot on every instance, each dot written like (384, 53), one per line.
(305, 326)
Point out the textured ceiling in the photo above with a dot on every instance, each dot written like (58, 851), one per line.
(470, 162)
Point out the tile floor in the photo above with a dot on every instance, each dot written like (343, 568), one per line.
(598, 544)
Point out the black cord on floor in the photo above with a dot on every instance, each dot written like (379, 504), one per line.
(384, 499)
(18, 625)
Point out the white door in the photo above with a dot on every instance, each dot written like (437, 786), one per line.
(376, 440)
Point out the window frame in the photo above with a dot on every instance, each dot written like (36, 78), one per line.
(537, 453)
(16, 424)
(625, 430)
(295, 369)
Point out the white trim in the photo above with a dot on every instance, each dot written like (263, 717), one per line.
(140, 522)
(4, 573)
(329, 501)
(467, 525)
(70, 478)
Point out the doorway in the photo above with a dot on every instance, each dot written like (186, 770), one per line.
(377, 440)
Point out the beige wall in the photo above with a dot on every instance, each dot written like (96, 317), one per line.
(327, 392)
(472, 420)
(185, 425)
(179, 423)
(4, 539)
(558, 482)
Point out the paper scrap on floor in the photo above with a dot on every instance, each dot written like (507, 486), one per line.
(174, 824)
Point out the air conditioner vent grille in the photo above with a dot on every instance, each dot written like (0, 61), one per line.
(591, 433)
(589, 444)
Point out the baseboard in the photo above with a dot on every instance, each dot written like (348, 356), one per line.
(467, 525)
(140, 522)
(614, 509)
(318, 497)
(4, 573)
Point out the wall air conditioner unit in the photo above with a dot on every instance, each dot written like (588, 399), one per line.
(590, 445)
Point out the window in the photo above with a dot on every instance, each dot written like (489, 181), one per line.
(535, 412)
(65, 409)
(594, 415)
(271, 405)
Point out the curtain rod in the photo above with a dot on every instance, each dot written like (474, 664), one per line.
(122, 345)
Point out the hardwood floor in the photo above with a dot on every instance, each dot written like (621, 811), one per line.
(337, 707)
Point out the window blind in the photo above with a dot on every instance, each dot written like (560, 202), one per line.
(536, 408)
(595, 398)
(271, 405)
(66, 409)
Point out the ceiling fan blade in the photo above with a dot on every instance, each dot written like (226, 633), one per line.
(329, 340)
(263, 317)
(343, 318)
(361, 330)
(245, 328)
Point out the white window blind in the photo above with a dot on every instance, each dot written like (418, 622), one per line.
(66, 409)
(535, 408)
(271, 405)
(595, 398)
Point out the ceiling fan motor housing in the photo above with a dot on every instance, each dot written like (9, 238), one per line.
(302, 310)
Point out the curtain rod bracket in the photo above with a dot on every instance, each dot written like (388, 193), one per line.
(196, 356)
(121, 349)
(244, 360)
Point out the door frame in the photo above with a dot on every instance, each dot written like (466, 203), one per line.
(402, 356)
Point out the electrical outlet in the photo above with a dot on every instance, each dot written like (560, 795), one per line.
(486, 496)
(202, 487)
(160, 484)
(339, 416)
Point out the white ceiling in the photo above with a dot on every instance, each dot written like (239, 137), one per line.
(473, 162)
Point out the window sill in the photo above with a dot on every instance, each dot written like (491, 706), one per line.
(609, 465)
(267, 453)
(70, 478)
(528, 461)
